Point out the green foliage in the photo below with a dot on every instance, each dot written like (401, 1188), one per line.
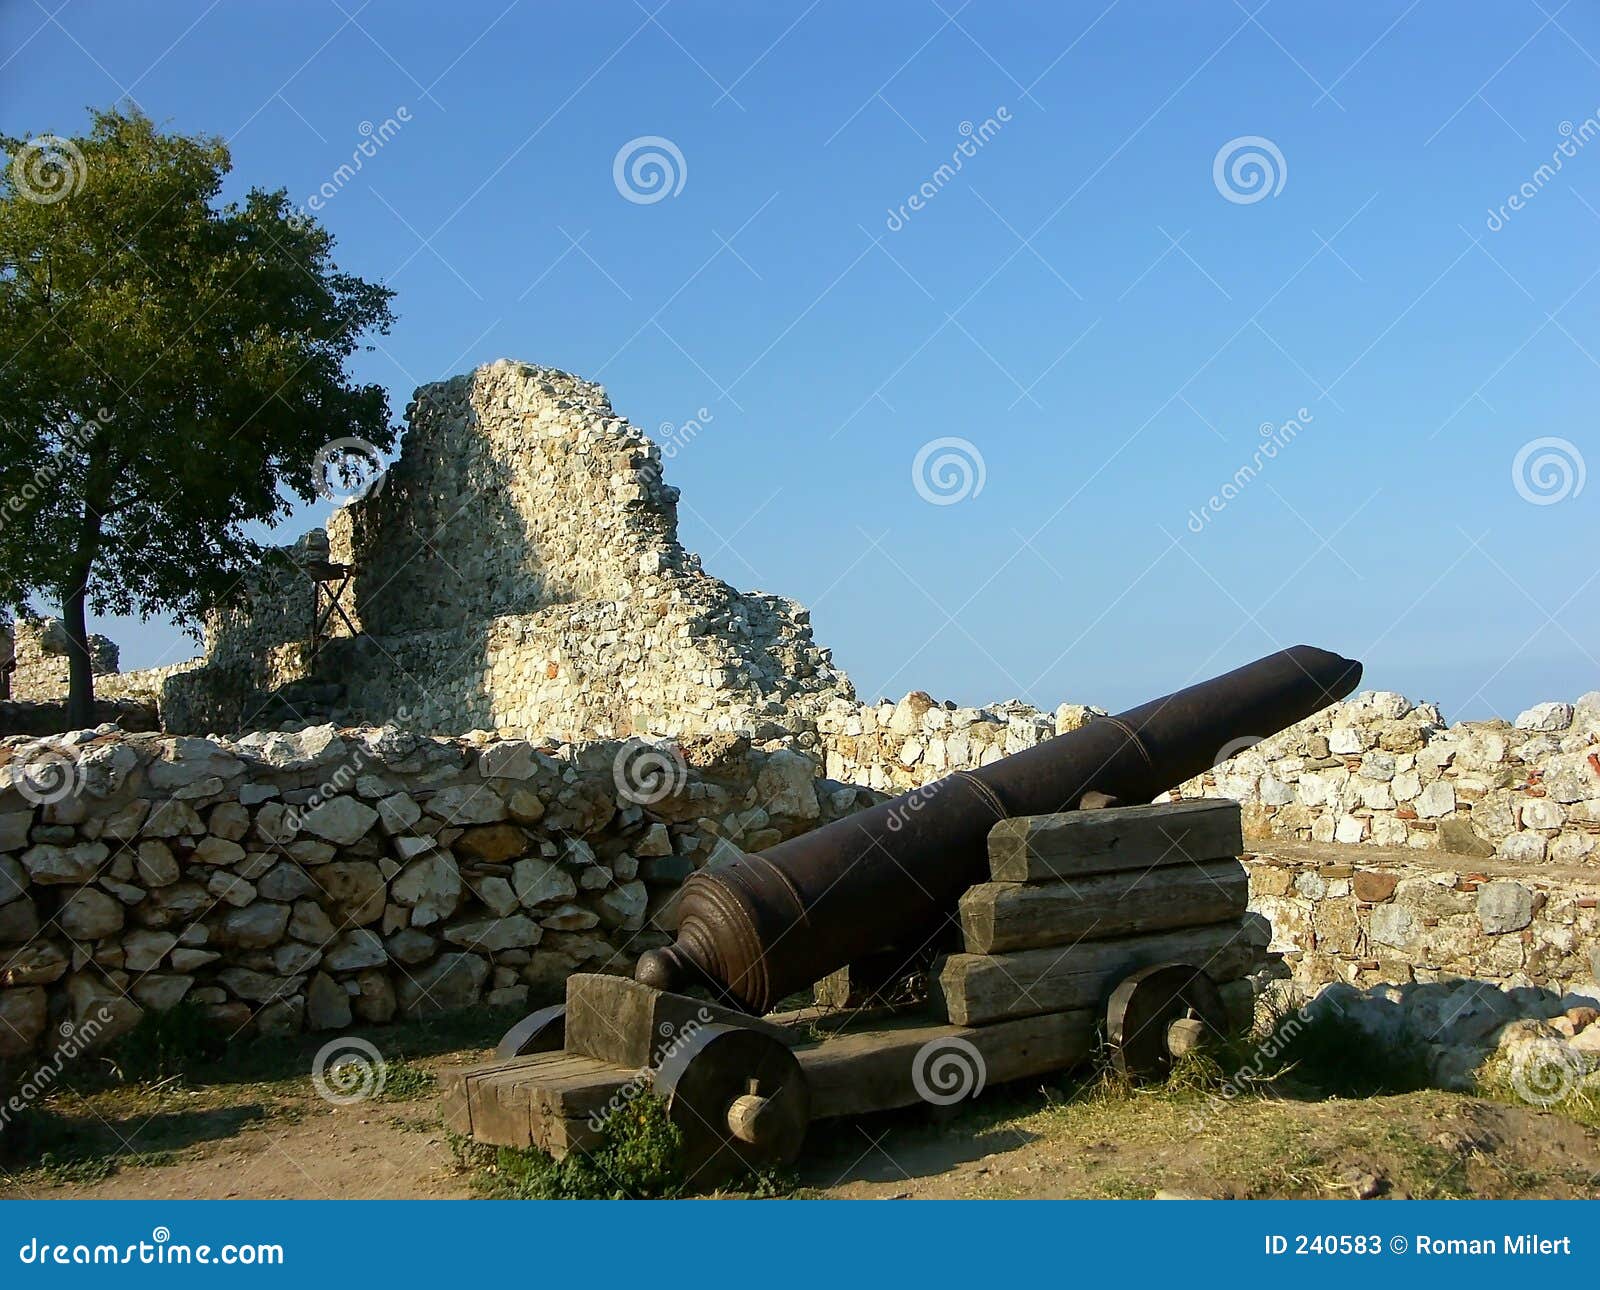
(404, 1082)
(638, 1159)
(172, 365)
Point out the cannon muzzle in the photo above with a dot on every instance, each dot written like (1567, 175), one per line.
(761, 926)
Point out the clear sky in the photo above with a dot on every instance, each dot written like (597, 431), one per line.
(1103, 313)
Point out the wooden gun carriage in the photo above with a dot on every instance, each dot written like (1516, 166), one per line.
(1039, 912)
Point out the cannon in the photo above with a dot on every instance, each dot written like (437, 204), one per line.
(759, 927)
(1054, 910)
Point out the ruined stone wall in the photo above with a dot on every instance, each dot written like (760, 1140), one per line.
(39, 658)
(519, 571)
(314, 880)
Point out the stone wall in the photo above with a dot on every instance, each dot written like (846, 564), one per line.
(1376, 770)
(1369, 916)
(289, 881)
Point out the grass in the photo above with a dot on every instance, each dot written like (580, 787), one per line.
(640, 1158)
(174, 1082)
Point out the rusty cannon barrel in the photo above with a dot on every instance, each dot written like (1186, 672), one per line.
(760, 926)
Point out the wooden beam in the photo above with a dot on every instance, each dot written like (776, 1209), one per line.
(618, 1020)
(1001, 916)
(1071, 844)
(979, 988)
(877, 1070)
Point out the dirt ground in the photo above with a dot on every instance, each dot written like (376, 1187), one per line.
(257, 1128)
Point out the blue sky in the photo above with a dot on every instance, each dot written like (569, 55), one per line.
(1082, 303)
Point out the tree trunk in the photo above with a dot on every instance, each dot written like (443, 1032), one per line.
(80, 675)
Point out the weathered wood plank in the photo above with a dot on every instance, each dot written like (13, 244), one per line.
(618, 1020)
(543, 1100)
(979, 988)
(878, 1070)
(1033, 848)
(997, 917)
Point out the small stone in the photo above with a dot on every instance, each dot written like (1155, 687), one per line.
(155, 865)
(1504, 906)
(542, 882)
(490, 934)
(143, 950)
(311, 923)
(374, 1000)
(570, 918)
(89, 914)
(1372, 886)
(357, 948)
(450, 982)
(256, 926)
(409, 946)
(398, 812)
(623, 906)
(1545, 716)
(228, 820)
(496, 893)
(340, 820)
(217, 851)
(353, 890)
(161, 993)
(22, 1020)
(285, 881)
(327, 1005)
(655, 842)
(431, 886)
(74, 864)
(492, 843)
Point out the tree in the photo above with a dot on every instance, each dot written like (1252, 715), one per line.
(171, 367)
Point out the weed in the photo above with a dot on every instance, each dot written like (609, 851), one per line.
(403, 1082)
(639, 1158)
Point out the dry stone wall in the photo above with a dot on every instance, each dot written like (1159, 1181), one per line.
(328, 877)
(1376, 770)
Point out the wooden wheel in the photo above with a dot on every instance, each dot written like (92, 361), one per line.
(738, 1097)
(1159, 1012)
(543, 1031)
